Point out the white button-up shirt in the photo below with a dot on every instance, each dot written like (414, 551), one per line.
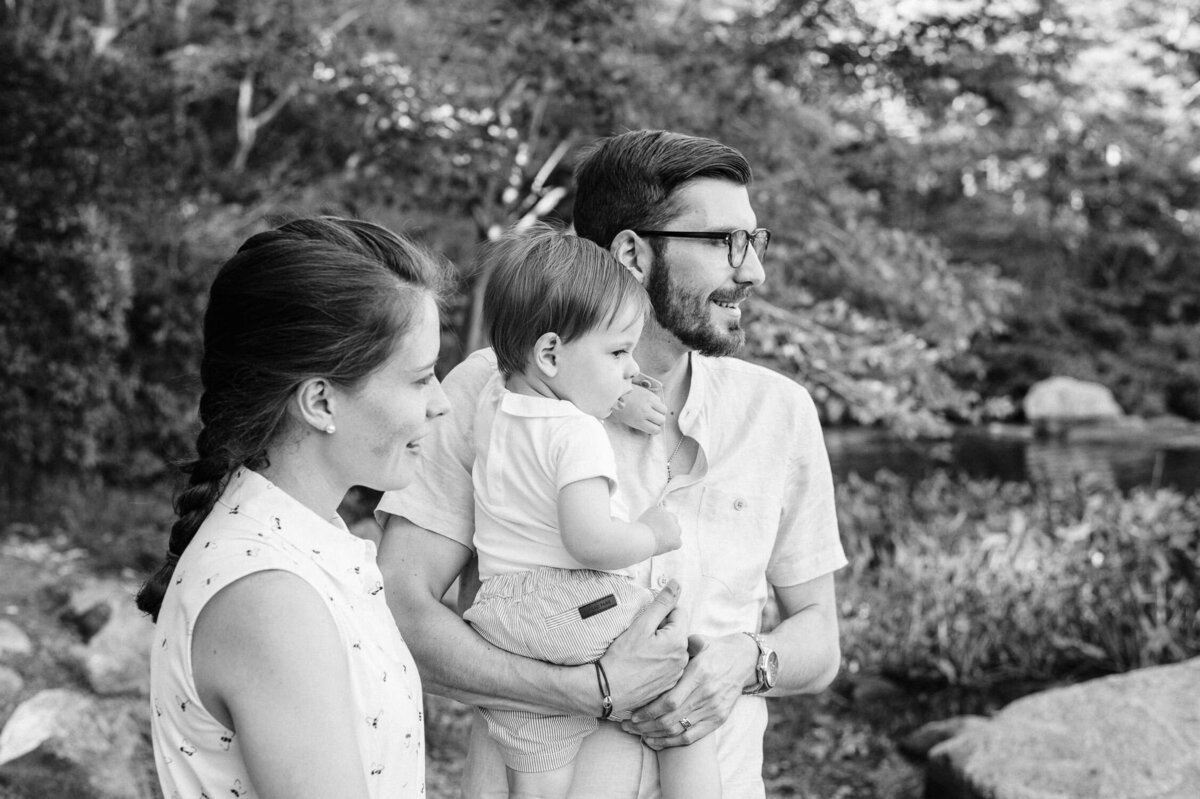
(756, 509)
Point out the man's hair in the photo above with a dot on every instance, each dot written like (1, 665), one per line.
(542, 280)
(627, 181)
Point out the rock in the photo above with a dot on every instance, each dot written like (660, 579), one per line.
(116, 659)
(1065, 399)
(13, 640)
(89, 622)
(869, 689)
(918, 742)
(64, 738)
(1132, 736)
(11, 684)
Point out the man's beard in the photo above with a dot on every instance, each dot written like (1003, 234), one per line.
(688, 318)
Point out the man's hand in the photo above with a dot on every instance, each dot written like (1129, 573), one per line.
(704, 696)
(649, 657)
(641, 409)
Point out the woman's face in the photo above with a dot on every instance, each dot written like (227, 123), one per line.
(381, 422)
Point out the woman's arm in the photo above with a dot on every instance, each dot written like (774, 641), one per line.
(270, 665)
(418, 566)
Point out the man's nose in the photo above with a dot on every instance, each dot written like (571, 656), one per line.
(751, 271)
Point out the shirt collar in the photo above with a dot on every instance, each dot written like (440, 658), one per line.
(525, 405)
(693, 416)
(260, 499)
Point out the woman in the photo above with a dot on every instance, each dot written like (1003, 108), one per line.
(277, 670)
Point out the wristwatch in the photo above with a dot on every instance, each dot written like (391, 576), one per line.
(766, 670)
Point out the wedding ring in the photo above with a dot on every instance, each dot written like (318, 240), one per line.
(687, 725)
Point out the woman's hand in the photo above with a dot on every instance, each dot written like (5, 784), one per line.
(649, 657)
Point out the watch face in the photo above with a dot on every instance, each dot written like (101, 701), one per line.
(772, 671)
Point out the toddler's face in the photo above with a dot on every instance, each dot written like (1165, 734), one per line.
(596, 369)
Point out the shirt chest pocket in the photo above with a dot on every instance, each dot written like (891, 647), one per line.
(737, 532)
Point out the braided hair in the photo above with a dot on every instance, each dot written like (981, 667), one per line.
(317, 297)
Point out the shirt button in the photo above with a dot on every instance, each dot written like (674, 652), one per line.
(738, 504)
(662, 580)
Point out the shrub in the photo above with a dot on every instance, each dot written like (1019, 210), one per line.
(977, 583)
(64, 308)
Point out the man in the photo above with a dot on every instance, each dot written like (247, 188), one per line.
(739, 460)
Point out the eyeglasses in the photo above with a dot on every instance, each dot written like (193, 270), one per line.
(738, 241)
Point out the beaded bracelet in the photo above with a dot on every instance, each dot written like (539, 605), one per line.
(606, 703)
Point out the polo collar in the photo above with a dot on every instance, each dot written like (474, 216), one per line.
(536, 407)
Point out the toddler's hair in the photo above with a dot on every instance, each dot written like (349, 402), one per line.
(542, 280)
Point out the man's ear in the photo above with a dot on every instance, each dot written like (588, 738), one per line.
(315, 405)
(633, 252)
(545, 354)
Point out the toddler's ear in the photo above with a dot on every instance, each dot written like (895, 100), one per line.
(545, 354)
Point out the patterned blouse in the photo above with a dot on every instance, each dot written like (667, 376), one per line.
(253, 527)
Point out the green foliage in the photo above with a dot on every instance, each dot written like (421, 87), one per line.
(980, 583)
(965, 197)
(63, 327)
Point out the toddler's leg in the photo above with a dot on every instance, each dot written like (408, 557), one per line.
(541, 784)
(690, 772)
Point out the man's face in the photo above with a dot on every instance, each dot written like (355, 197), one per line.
(696, 294)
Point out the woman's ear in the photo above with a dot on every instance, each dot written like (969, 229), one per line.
(633, 252)
(315, 404)
(545, 354)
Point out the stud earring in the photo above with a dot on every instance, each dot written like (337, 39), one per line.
(330, 429)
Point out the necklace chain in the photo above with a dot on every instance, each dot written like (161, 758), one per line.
(674, 452)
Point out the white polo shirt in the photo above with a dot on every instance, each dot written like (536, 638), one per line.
(254, 527)
(527, 449)
(756, 509)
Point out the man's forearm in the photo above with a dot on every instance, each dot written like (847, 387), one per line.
(453, 660)
(806, 640)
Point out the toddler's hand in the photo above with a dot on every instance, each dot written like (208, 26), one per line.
(665, 527)
(642, 410)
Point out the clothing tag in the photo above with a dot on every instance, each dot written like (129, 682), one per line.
(597, 606)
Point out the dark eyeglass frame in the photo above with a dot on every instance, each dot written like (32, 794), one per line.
(751, 239)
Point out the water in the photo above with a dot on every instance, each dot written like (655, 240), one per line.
(1135, 462)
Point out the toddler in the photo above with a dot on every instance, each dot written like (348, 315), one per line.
(555, 550)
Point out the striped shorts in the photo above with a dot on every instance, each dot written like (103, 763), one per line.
(563, 616)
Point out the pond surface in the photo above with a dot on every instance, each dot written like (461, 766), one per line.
(1124, 464)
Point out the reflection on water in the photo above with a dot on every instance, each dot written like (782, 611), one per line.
(974, 453)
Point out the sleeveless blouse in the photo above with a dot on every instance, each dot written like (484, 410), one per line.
(256, 526)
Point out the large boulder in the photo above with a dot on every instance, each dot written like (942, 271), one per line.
(1065, 400)
(65, 743)
(1132, 736)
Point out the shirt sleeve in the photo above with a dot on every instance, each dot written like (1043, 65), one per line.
(808, 545)
(582, 450)
(440, 497)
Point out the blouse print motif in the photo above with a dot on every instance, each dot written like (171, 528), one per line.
(255, 527)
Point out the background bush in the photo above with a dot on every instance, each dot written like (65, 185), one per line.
(965, 198)
(976, 583)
